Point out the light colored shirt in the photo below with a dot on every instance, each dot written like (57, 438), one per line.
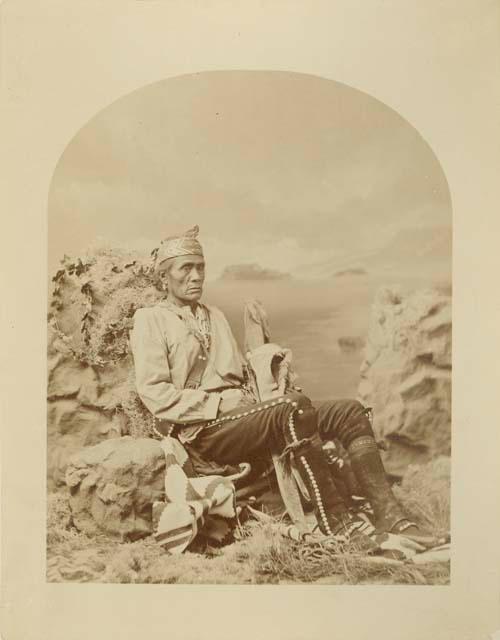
(165, 348)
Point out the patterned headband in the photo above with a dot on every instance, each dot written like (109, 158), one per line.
(175, 246)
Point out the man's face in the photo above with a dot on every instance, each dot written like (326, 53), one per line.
(184, 277)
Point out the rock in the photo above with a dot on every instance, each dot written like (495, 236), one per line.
(90, 398)
(68, 377)
(351, 344)
(94, 300)
(406, 375)
(113, 383)
(84, 404)
(71, 426)
(113, 486)
(76, 415)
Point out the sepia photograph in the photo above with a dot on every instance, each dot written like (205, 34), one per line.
(249, 365)
(250, 352)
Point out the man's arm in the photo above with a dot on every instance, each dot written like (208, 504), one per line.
(153, 379)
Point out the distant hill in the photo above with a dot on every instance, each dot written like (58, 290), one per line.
(353, 271)
(252, 271)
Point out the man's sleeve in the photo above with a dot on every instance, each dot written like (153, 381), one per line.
(153, 379)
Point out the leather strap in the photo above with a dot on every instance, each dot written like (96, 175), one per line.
(165, 428)
(198, 369)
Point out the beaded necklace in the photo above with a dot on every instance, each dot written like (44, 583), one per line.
(198, 323)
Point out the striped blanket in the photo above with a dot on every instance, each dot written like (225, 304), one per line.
(206, 505)
(193, 505)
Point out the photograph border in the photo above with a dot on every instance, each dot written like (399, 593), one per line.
(437, 65)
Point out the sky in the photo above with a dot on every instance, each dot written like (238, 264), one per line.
(293, 180)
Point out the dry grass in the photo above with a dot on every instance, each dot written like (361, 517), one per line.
(425, 494)
(260, 556)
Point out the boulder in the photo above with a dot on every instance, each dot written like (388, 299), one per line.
(80, 409)
(406, 375)
(71, 426)
(351, 344)
(90, 393)
(113, 486)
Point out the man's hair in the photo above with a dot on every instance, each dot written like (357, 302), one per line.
(161, 268)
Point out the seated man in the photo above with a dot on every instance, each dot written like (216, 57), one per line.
(189, 374)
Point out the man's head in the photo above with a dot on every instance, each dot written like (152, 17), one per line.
(183, 278)
(181, 267)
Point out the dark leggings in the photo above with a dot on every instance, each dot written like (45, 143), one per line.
(251, 432)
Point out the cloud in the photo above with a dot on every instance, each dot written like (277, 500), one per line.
(252, 272)
(295, 174)
(284, 254)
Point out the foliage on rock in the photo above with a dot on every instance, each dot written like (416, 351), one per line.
(91, 392)
(94, 300)
(140, 420)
